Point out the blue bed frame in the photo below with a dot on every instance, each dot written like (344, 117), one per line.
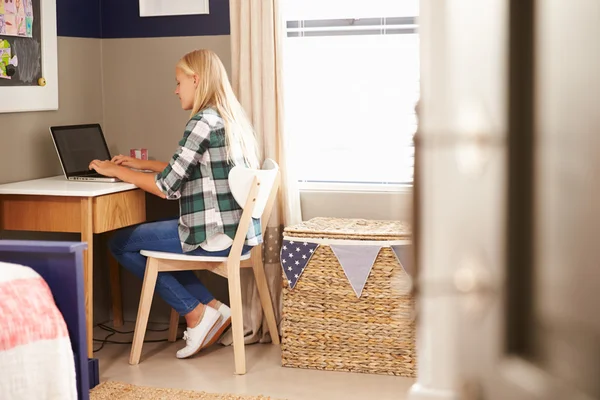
(61, 266)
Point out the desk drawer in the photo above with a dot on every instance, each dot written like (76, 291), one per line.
(117, 210)
(40, 213)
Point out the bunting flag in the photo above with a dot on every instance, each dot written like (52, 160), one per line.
(357, 262)
(294, 258)
(404, 254)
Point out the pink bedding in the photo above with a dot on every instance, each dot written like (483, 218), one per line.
(36, 359)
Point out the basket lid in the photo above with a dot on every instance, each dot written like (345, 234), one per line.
(355, 229)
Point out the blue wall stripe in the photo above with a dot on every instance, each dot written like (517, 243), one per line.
(78, 18)
(121, 19)
(113, 19)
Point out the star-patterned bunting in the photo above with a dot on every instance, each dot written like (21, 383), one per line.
(294, 258)
(356, 260)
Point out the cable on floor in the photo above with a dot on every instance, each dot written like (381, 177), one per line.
(113, 331)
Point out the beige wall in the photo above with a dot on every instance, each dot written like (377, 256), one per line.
(140, 109)
(26, 149)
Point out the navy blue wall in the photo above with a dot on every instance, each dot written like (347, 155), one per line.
(121, 19)
(79, 18)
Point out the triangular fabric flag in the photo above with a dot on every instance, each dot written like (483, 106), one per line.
(357, 262)
(294, 257)
(405, 256)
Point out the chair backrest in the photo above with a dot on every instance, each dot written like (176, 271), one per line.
(240, 182)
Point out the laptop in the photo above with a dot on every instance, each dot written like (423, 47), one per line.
(77, 146)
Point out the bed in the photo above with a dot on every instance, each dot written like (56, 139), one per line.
(43, 352)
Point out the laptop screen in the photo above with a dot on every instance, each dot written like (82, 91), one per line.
(78, 145)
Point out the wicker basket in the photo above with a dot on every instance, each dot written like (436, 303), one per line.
(325, 326)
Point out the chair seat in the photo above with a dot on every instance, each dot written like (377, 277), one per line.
(184, 257)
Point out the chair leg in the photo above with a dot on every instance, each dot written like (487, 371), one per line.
(115, 291)
(237, 321)
(264, 294)
(144, 310)
(173, 325)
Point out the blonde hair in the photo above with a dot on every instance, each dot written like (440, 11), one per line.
(214, 90)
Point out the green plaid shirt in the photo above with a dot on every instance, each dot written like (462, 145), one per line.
(197, 175)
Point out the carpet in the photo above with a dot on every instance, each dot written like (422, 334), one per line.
(124, 391)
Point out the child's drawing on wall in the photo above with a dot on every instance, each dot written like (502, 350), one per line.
(10, 7)
(16, 17)
(28, 8)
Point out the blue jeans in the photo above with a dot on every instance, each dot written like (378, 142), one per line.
(182, 290)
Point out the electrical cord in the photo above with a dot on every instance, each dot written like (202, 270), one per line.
(109, 329)
(113, 331)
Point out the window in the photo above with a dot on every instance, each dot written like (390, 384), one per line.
(351, 86)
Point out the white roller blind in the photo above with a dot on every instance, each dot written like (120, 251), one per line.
(351, 85)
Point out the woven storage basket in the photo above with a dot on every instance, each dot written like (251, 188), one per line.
(325, 326)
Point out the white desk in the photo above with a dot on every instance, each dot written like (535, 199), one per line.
(57, 205)
(59, 186)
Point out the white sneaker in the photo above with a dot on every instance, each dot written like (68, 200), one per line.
(194, 337)
(219, 328)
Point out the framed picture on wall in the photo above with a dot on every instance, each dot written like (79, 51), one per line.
(156, 8)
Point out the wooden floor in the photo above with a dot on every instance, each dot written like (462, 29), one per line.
(212, 371)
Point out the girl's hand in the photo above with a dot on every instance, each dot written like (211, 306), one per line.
(128, 162)
(106, 168)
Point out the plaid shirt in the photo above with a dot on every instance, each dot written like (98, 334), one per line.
(197, 175)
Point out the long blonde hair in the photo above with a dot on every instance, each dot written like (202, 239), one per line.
(214, 90)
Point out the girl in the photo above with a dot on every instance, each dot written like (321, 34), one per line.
(217, 137)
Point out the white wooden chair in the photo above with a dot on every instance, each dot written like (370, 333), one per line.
(256, 191)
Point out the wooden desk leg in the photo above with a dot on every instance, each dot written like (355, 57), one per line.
(87, 235)
(115, 290)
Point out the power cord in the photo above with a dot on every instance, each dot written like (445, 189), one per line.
(113, 331)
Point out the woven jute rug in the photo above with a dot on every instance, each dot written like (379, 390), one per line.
(124, 391)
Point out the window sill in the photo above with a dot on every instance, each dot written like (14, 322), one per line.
(339, 187)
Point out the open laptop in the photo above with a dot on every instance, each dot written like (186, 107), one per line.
(77, 146)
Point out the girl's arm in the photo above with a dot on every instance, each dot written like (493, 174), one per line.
(152, 165)
(142, 180)
(168, 183)
(156, 166)
(195, 141)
